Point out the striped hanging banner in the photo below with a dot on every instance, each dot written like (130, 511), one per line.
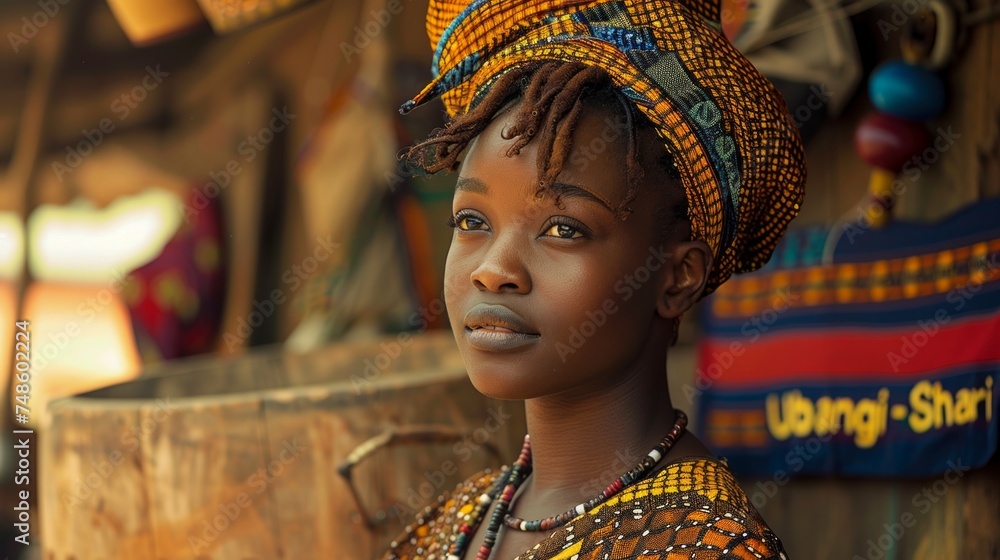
(881, 360)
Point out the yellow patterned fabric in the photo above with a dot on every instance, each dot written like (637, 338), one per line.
(692, 508)
(738, 151)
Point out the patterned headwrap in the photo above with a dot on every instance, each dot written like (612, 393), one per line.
(738, 151)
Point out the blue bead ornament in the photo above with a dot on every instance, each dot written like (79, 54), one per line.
(907, 91)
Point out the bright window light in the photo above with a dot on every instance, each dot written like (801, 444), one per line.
(82, 244)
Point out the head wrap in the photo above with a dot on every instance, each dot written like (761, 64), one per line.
(737, 149)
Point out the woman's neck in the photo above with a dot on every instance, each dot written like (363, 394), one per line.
(583, 440)
(580, 445)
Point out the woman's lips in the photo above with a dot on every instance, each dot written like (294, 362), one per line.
(495, 328)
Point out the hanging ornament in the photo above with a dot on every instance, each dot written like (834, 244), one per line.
(905, 93)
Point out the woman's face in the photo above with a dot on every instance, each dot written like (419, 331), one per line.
(544, 298)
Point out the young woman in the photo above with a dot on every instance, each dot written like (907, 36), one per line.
(618, 160)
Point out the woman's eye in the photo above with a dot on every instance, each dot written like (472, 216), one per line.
(466, 222)
(470, 222)
(563, 231)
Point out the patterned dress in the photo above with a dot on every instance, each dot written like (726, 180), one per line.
(692, 508)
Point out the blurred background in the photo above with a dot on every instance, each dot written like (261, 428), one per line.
(222, 298)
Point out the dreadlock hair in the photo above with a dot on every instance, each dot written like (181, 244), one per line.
(552, 96)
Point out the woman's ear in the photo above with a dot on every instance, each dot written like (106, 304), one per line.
(685, 278)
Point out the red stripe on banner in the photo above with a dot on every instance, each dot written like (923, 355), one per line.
(848, 354)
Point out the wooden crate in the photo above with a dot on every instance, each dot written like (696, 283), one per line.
(239, 459)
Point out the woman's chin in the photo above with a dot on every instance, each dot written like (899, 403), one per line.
(495, 386)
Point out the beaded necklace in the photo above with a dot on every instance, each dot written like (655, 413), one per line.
(508, 483)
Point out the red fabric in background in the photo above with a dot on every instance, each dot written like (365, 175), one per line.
(176, 299)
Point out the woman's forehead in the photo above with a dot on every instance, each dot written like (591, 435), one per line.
(596, 160)
(610, 153)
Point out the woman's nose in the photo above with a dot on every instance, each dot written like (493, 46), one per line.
(502, 269)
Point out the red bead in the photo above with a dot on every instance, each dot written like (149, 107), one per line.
(888, 142)
(613, 488)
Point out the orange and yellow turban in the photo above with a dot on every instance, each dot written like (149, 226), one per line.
(738, 152)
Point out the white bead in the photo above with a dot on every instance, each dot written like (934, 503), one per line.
(580, 510)
(524, 525)
(655, 455)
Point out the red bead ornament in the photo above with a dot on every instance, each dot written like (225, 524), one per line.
(888, 142)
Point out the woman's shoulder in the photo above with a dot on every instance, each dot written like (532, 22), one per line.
(699, 478)
(428, 533)
(691, 505)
